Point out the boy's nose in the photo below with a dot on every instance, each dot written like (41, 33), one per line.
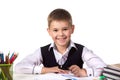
(60, 32)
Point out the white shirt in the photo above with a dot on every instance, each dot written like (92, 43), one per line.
(33, 62)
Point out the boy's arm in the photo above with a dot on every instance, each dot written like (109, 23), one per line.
(95, 64)
(77, 71)
(30, 64)
(52, 70)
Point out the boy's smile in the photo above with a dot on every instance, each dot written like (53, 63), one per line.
(60, 31)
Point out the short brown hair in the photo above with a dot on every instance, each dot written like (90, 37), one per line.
(59, 14)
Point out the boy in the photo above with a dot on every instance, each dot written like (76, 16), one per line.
(63, 55)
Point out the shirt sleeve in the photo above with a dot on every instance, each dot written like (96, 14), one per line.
(30, 64)
(37, 69)
(94, 63)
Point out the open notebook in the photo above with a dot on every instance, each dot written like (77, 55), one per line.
(49, 76)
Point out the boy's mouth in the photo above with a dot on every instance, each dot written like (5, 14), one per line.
(62, 39)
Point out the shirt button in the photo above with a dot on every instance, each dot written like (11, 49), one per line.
(90, 74)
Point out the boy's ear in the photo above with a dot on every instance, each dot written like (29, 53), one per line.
(73, 27)
(48, 31)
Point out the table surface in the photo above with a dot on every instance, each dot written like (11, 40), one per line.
(49, 76)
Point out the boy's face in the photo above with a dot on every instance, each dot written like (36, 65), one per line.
(60, 31)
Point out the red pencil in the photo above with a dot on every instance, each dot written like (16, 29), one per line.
(13, 58)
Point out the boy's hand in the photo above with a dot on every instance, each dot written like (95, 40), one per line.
(53, 70)
(77, 71)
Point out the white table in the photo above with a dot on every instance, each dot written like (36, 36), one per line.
(49, 76)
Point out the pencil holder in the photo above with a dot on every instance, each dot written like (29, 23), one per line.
(6, 72)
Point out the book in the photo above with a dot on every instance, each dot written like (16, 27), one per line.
(111, 76)
(114, 66)
(110, 70)
(107, 78)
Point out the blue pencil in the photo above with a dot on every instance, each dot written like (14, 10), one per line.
(1, 58)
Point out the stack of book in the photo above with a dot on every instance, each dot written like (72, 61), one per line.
(112, 71)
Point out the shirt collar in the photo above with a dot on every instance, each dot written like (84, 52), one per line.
(52, 45)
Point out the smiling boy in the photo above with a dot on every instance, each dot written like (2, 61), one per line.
(63, 55)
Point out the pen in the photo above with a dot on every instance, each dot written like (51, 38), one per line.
(1, 58)
(12, 55)
(74, 79)
(102, 77)
(71, 79)
(13, 58)
(8, 54)
(7, 59)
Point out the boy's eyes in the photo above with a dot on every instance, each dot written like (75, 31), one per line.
(65, 29)
(55, 30)
(62, 29)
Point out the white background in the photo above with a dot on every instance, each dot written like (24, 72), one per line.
(23, 25)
